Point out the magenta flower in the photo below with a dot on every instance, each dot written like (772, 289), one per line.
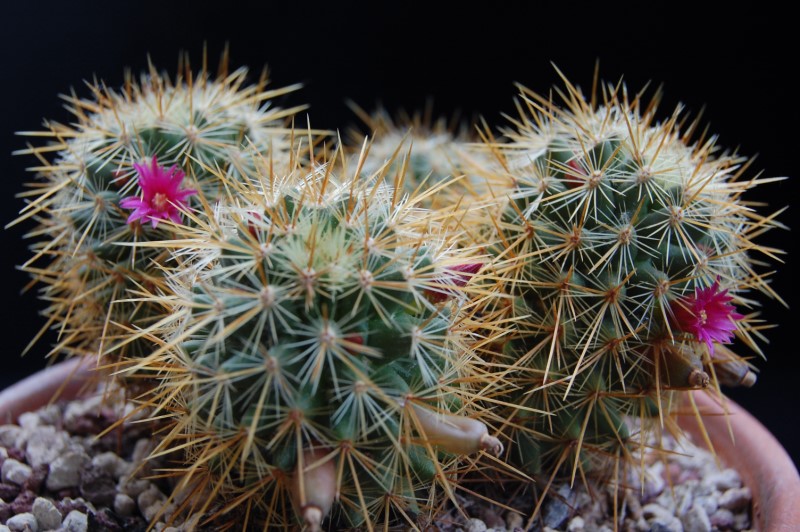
(161, 199)
(707, 314)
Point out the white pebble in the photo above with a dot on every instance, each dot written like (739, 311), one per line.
(735, 498)
(124, 505)
(9, 435)
(22, 523)
(75, 522)
(65, 471)
(696, 520)
(46, 513)
(576, 524)
(45, 444)
(29, 420)
(15, 472)
(4, 528)
(475, 525)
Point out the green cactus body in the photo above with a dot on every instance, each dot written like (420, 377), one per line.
(90, 259)
(316, 330)
(614, 233)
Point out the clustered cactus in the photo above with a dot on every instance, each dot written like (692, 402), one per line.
(329, 334)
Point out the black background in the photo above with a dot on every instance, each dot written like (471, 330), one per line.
(737, 64)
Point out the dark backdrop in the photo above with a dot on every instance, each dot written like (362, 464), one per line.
(736, 64)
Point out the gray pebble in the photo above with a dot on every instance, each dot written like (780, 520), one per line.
(3, 452)
(708, 503)
(513, 520)
(4, 528)
(475, 525)
(46, 513)
(155, 510)
(76, 411)
(696, 520)
(724, 480)
(49, 415)
(65, 471)
(684, 496)
(107, 462)
(735, 498)
(45, 444)
(9, 435)
(741, 521)
(142, 450)
(666, 524)
(634, 504)
(133, 487)
(16, 472)
(75, 522)
(148, 498)
(556, 510)
(654, 482)
(124, 505)
(655, 511)
(22, 523)
(722, 518)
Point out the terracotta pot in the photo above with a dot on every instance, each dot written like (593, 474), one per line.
(764, 465)
(67, 378)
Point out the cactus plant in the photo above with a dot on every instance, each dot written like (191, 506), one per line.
(314, 356)
(133, 158)
(627, 257)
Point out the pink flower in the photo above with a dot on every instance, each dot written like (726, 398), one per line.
(707, 314)
(161, 199)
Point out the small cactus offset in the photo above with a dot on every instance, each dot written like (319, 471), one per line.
(628, 260)
(315, 357)
(445, 166)
(134, 161)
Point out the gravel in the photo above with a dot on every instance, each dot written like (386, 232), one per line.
(684, 491)
(58, 475)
